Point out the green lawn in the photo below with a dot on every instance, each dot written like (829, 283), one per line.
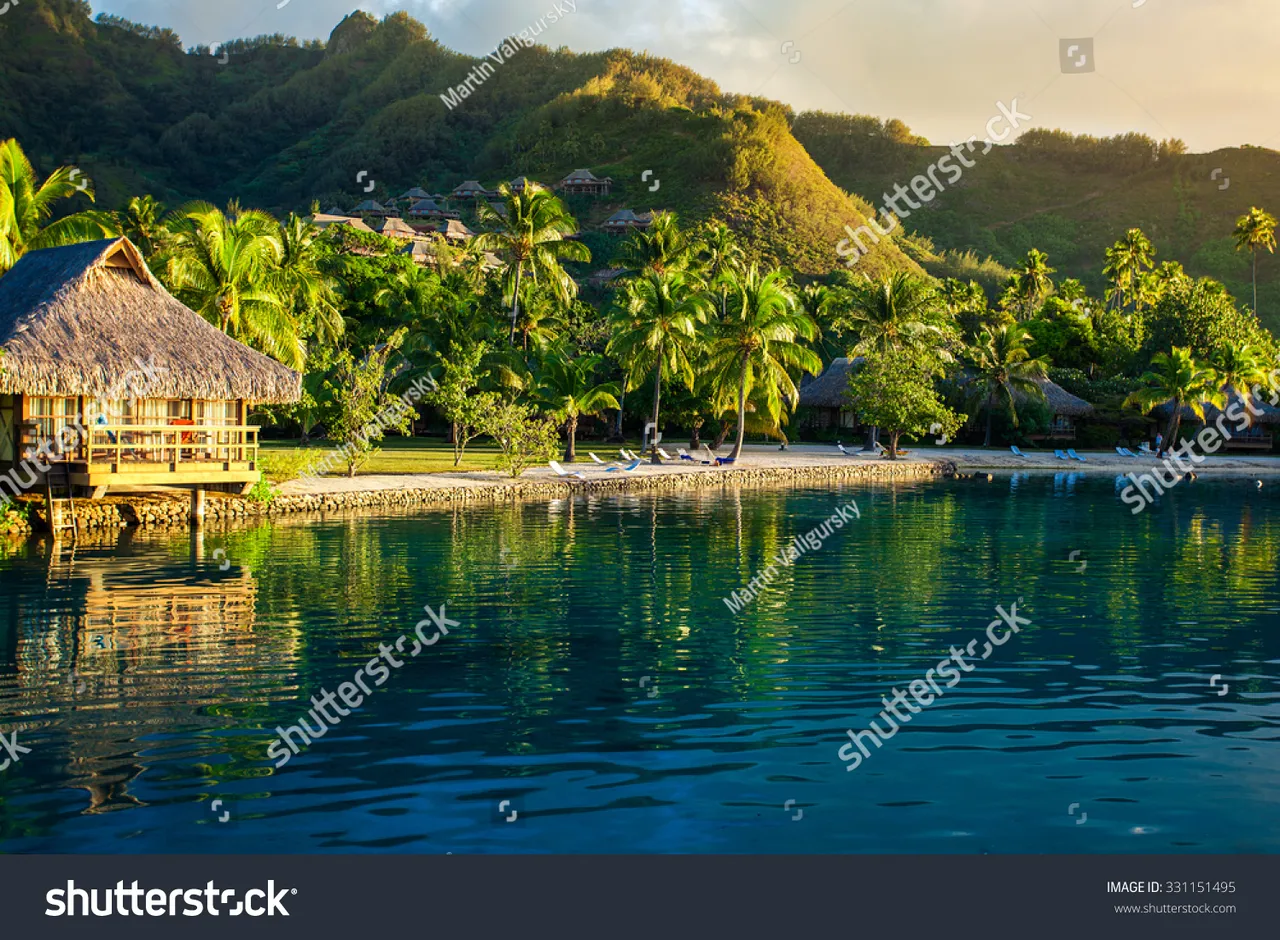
(406, 455)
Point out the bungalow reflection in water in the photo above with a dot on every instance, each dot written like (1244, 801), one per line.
(123, 642)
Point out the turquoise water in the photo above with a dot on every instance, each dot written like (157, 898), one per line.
(598, 689)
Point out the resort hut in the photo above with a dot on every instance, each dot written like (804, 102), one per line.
(825, 397)
(430, 209)
(373, 207)
(1257, 436)
(584, 183)
(455, 231)
(396, 228)
(414, 194)
(1065, 409)
(518, 184)
(624, 220)
(322, 220)
(420, 251)
(472, 189)
(108, 383)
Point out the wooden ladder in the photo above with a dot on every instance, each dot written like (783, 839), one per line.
(57, 518)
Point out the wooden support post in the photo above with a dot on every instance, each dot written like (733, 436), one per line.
(197, 506)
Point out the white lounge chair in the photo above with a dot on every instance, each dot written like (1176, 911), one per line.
(664, 455)
(1074, 456)
(1144, 450)
(602, 463)
(685, 455)
(562, 472)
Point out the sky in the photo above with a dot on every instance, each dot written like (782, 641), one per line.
(1205, 71)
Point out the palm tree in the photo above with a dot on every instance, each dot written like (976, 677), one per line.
(656, 330)
(718, 253)
(567, 389)
(1240, 369)
(1256, 229)
(141, 221)
(531, 235)
(1127, 260)
(755, 345)
(26, 205)
(1032, 282)
(226, 268)
(660, 248)
(1004, 367)
(901, 313)
(1177, 380)
(313, 294)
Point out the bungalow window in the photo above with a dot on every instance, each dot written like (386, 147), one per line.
(8, 437)
(1062, 423)
(51, 415)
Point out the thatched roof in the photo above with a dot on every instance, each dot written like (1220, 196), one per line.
(455, 230)
(1062, 402)
(579, 177)
(472, 188)
(397, 228)
(322, 220)
(831, 388)
(85, 319)
(429, 207)
(1270, 415)
(416, 192)
(625, 217)
(371, 207)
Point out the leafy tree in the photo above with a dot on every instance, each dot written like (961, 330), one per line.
(756, 346)
(656, 331)
(1003, 367)
(531, 236)
(364, 411)
(1255, 229)
(895, 390)
(1177, 380)
(457, 397)
(523, 438)
(26, 205)
(568, 390)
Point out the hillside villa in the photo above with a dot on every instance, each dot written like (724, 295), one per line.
(584, 183)
(110, 384)
(624, 220)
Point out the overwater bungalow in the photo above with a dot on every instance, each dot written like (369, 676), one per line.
(584, 183)
(110, 384)
(624, 220)
(397, 228)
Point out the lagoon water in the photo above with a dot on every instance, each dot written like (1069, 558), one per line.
(601, 696)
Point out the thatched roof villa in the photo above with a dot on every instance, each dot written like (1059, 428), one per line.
(322, 220)
(106, 375)
(472, 189)
(414, 194)
(431, 209)
(455, 231)
(624, 220)
(826, 396)
(373, 207)
(584, 183)
(397, 228)
(1065, 409)
(1257, 436)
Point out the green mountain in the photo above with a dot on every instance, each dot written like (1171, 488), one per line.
(281, 124)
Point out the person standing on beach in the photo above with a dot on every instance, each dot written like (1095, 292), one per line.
(1159, 444)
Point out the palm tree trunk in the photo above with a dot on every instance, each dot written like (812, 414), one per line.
(657, 398)
(990, 409)
(742, 413)
(571, 449)
(515, 302)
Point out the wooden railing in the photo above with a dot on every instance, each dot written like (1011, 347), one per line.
(124, 444)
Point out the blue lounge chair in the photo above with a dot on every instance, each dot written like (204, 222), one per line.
(1060, 455)
(1017, 452)
(629, 468)
(685, 455)
(1126, 452)
(1074, 456)
(724, 461)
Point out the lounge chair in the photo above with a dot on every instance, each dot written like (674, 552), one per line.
(846, 452)
(602, 463)
(627, 454)
(1074, 456)
(1060, 455)
(1144, 450)
(629, 468)
(562, 472)
(724, 461)
(685, 455)
(1125, 452)
(664, 455)
(1017, 452)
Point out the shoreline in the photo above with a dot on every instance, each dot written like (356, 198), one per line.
(760, 466)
